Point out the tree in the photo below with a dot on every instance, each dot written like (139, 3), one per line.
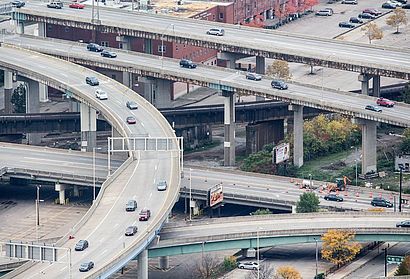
(310, 3)
(397, 18)
(372, 31)
(338, 247)
(287, 272)
(261, 212)
(405, 144)
(18, 99)
(404, 267)
(405, 94)
(308, 202)
(206, 268)
(265, 272)
(279, 69)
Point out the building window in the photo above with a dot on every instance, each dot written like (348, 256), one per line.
(120, 45)
(162, 48)
(104, 43)
(113, 77)
(221, 15)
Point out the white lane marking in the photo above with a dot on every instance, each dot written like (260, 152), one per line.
(156, 167)
(120, 237)
(116, 225)
(134, 197)
(142, 124)
(105, 251)
(63, 268)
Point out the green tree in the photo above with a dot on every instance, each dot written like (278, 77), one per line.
(279, 69)
(404, 267)
(405, 144)
(338, 247)
(261, 212)
(308, 202)
(18, 99)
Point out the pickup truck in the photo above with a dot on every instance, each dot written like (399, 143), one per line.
(385, 102)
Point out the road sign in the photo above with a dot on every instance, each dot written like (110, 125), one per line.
(394, 259)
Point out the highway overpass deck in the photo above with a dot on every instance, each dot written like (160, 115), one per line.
(106, 220)
(362, 58)
(220, 78)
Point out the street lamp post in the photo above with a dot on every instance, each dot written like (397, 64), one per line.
(94, 148)
(190, 194)
(38, 210)
(401, 187)
(317, 258)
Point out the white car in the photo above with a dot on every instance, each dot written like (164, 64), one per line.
(162, 185)
(216, 31)
(248, 265)
(100, 94)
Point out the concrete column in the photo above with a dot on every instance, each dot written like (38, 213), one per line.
(376, 86)
(157, 91)
(61, 192)
(297, 134)
(229, 134)
(148, 46)
(364, 79)
(88, 127)
(260, 65)
(126, 45)
(43, 89)
(258, 135)
(369, 145)
(230, 58)
(74, 106)
(142, 272)
(76, 191)
(20, 28)
(33, 106)
(164, 262)
(8, 91)
(42, 29)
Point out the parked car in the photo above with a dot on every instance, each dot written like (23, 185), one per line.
(94, 47)
(55, 5)
(145, 214)
(76, 5)
(100, 94)
(84, 267)
(162, 185)
(388, 5)
(330, 10)
(186, 63)
(323, 13)
(346, 24)
(81, 245)
(131, 120)
(395, 3)
(333, 197)
(381, 202)
(402, 1)
(355, 20)
(372, 11)
(279, 84)
(253, 76)
(366, 16)
(385, 102)
(248, 265)
(131, 105)
(93, 81)
(18, 3)
(350, 2)
(216, 32)
(406, 6)
(131, 205)
(109, 54)
(131, 230)
(373, 108)
(403, 224)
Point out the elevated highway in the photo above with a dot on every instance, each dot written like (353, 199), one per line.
(106, 221)
(220, 78)
(272, 230)
(361, 58)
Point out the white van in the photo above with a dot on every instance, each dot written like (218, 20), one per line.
(216, 32)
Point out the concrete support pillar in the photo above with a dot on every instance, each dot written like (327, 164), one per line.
(33, 106)
(142, 272)
(260, 65)
(157, 91)
(376, 86)
(8, 91)
(42, 29)
(74, 106)
(258, 135)
(88, 127)
(364, 79)
(76, 191)
(148, 46)
(297, 134)
(61, 192)
(43, 90)
(229, 134)
(230, 58)
(164, 262)
(20, 28)
(127, 79)
(369, 145)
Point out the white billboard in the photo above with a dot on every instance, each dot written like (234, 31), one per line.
(216, 195)
(282, 152)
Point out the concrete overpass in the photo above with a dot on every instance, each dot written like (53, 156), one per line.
(361, 58)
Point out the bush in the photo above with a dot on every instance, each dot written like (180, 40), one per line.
(261, 212)
(308, 202)
(229, 263)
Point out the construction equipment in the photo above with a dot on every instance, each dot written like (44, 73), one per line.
(338, 185)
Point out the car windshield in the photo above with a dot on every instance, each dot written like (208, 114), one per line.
(84, 265)
(162, 183)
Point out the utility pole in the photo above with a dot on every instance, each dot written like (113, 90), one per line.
(385, 262)
(401, 187)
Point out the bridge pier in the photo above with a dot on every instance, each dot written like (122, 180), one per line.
(88, 127)
(32, 106)
(260, 134)
(230, 58)
(297, 134)
(364, 79)
(76, 191)
(61, 192)
(157, 91)
(260, 65)
(229, 133)
(19, 27)
(142, 272)
(8, 91)
(42, 29)
(369, 144)
(163, 262)
(376, 86)
(125, 43)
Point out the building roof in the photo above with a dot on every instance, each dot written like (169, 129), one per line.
(185, 9)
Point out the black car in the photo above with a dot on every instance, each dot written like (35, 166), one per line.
(131, 205)
(279, 84)
(404, 224)
(109, 54)
(185, 63)
(346, 24)
(84, 267)
(402, 1)
(131, 230)
(81, 245)
(355, 20)
(388, 5)
(366, 16)
(18, 4)
(253, 76)
(333, 197)
(94, 47)
(406, 6)
(381, 202)
(93, 81)
(131, 105)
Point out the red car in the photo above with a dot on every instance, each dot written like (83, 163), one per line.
(76, 5)
(145, 214)
(131, 120)
(385, 102)
(374, 12)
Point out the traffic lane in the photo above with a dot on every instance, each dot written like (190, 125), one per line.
(237, 35)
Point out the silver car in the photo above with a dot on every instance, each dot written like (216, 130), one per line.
(162, 185)
(248, 265)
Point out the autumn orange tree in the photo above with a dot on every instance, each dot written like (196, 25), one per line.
(397, 18)
(287, 272)
(279, 69)
(256, 22)
(338, 246)
(372, 31)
